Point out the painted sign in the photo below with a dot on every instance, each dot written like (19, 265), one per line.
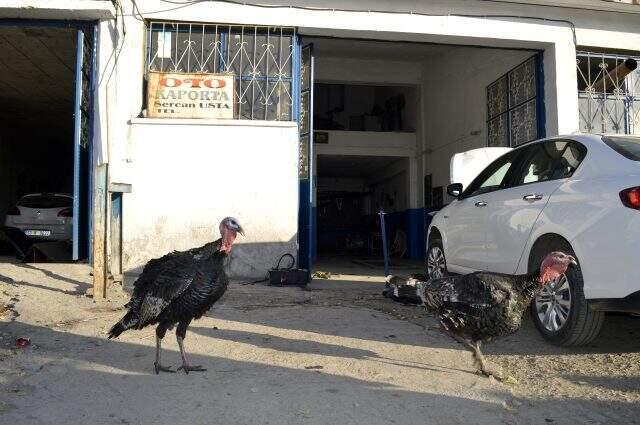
(177, 95)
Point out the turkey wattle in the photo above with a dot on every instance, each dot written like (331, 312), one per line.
(179, 287)
(480, 306)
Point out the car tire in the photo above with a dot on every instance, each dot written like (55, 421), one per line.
(582, 324)
(436, 263)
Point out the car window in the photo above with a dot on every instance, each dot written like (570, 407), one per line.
(629, 147)
(550, 160)
(494, 177)
(45, 201)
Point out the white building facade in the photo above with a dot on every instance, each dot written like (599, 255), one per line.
(398, 88)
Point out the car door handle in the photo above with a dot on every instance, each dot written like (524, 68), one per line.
(481, 204)
(533, 197)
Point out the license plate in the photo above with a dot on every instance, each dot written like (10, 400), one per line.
(37, 232)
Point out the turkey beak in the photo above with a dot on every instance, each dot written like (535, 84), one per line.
(240, 230)
(573, 261)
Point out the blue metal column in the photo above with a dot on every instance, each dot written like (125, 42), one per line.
(540, 106)
(77, 129)
(305, 166)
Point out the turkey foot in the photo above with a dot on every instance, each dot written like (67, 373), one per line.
(185, 365)
(480, 361)
(188, 368)
(159, 368)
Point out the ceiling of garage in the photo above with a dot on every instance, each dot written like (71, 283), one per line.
(37, 75)
(371, 49)
(353, 165)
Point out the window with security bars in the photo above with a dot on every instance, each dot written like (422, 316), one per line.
(512, 109)
(608, 93)
(260, 58)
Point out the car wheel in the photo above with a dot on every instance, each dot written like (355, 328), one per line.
(436, 263)
(560, 311)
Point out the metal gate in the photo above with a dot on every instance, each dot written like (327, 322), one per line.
(608, 93)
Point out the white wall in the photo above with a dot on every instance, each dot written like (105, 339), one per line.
(188, 177)
(455, 103)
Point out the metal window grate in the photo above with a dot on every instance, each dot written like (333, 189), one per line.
(608, 93)
(261, 59)
(512, 109)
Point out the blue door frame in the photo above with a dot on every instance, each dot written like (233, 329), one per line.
(82, 141)
(82, 155)
(304, 112)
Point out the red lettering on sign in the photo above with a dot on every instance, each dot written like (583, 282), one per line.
(170, 82)
(195, 82)
(215, 83)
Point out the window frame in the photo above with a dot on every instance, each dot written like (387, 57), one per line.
(526, 156)
(538, 98)
(223, 59)
(628, 94)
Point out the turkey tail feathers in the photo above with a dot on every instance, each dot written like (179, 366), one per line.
(127, 322)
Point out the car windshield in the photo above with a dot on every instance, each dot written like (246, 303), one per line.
(629, 147)
(45, 201)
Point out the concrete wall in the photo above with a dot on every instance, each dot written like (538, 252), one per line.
(189, 176)
(455, 103)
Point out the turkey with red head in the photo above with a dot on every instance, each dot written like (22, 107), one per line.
(178, 288)
(481, 306)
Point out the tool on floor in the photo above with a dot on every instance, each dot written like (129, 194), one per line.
(281, 276)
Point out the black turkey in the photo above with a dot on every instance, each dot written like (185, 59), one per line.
(481, 306)
(177, 288)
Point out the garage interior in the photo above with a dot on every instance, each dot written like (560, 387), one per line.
(351, 190)
(388, 116)
(37, 92)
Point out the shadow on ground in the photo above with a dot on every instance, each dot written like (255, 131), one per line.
(70, 375)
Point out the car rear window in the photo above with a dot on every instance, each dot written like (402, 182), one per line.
(629, 147)
(45, 201)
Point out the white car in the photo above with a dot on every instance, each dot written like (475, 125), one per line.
(579, 194)
(46, 216)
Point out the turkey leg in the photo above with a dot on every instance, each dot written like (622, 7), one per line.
(185, 365)
(157, 364)
(181, 332)
(475, 347)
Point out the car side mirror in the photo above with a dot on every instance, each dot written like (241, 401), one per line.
(454, 189)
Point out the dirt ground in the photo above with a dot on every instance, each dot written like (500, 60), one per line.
(335, 353)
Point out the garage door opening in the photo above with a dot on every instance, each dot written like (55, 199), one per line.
(43, 174)
(399, 111)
